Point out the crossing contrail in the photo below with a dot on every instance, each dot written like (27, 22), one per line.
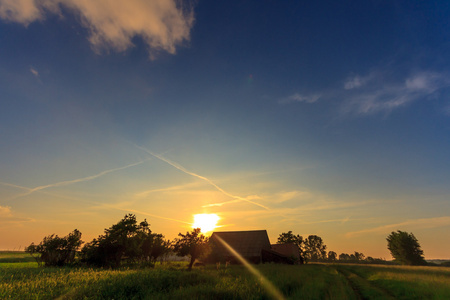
(68, 182)
(182, 169)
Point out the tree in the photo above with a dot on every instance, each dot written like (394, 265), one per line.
(405, 248)
(359, 256)
(290, 238)
(344, 256)
(57, 251)
(125, 240)
(160, 246)
(315, 249)
(193, 244)
(332, 255)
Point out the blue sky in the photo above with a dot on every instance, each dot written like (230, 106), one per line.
(328, 118)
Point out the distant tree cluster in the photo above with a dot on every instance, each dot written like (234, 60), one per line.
(127, 240)
(311, 248)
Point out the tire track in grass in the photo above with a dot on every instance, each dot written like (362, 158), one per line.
(363, 288)
(350, 282)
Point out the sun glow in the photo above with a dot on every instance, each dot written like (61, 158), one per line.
(206, 222)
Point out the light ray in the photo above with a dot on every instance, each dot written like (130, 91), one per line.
(182, 169)
(265, 283)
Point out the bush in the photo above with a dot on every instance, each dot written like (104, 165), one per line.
(57, 251)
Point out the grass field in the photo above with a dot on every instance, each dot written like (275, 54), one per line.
(21, 278)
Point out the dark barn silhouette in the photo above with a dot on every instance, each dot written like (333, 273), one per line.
(254, 246)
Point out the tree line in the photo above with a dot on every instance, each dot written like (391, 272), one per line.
(132, 242)
(404, 248)
(127, 241)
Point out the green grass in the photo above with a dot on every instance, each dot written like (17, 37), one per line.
(399, 282)
(21, 278)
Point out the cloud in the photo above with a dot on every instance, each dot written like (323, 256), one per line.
(182, 169)
(374, 94)
(353, 83)
(378, 92)
(20, 11)
(5, 210)
(300, 98)
(7, 218)
(34, 71)
(417, 223)
(162, 24)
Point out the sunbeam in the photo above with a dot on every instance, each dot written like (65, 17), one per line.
(265, 283)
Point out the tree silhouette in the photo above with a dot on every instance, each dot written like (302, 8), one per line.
(315, 249)
(57, 251)
(290, 238)
(125, 240)
(193, 244)
(332, 255)
(405, 248)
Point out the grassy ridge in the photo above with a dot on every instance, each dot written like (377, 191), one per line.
(24, 280)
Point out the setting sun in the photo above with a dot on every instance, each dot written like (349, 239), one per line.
(206, 222)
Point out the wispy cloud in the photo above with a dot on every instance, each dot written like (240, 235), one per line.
(416, 223)
(34, 71)
(300, 98)
(7, 218)
(357, 81)
(378, 95)
(5, 210)
(378, 92)
(210, 182)
(167, 189)
(162, 24)
(73, 181)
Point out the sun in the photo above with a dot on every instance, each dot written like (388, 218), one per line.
(206, 222)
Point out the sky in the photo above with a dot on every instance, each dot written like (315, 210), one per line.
(320, 117)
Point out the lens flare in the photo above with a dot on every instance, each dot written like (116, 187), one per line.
(265, 283)
(206, 222)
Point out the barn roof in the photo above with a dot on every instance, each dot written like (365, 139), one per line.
(289, 250)
(246, 243)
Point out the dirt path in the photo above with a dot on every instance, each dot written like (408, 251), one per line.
(363, 288)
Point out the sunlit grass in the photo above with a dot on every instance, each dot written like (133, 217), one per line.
(25, 280)
(402, 282)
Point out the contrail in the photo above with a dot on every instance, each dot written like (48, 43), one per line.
(68, 182)
(15, 186)
(182, 169)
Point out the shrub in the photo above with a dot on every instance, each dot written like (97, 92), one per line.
(57, 251)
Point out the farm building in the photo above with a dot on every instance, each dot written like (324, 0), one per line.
(253, 245)
(289, 250)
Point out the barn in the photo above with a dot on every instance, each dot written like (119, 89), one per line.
(252, 245)
(289, 250)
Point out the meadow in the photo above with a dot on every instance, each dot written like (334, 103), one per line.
(21, 278)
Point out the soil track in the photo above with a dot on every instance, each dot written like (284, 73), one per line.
(362, 287)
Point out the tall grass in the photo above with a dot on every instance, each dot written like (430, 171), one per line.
(402, 282)
(21, 279)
